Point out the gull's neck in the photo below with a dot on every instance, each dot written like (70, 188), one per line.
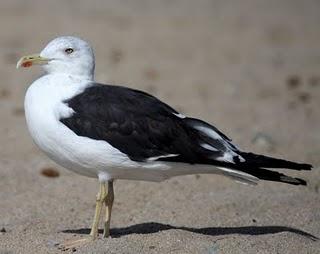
(81, 77)
(74, 77)
(85, 72)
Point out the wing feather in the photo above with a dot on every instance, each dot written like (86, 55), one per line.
(145, 128)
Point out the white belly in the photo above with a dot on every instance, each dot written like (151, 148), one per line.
(44, 107)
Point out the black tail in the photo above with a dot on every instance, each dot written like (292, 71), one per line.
(256, 165)
(268, 175)
(257, 161)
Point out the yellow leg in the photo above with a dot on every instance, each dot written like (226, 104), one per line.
(108, 202)
(101, 197)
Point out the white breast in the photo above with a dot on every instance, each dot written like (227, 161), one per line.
(44, 107)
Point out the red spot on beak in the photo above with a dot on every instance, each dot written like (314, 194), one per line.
(27, 64)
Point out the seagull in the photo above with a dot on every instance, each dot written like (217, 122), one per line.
(113, 132)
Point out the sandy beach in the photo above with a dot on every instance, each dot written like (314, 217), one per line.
(250, 67)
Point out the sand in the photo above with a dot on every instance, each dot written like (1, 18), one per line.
(252, 68)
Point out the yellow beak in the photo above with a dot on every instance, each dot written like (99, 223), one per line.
(28, 61)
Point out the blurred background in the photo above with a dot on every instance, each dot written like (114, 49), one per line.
(250, 67)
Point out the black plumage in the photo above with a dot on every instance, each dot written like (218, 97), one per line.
(144, 128)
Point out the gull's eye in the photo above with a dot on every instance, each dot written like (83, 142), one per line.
(68, 50)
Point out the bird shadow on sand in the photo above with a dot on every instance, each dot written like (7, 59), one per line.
(154, 227)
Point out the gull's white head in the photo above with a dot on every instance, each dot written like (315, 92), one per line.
(67, 55)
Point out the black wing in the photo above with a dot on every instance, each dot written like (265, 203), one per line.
(139, 125)
(145, 128)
